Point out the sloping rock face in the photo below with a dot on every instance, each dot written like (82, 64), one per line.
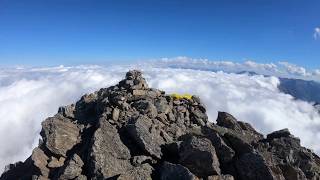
(131, 131)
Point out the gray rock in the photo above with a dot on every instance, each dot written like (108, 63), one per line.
(72, 169)
(279, 134)
(40, 161)
(199, 156)
(108, 155)
(198, 117)
(239, 143)
(292, 173)
(146, 107)
(162, 106)
(115, 114)
(143, 172)
(252, 166)
(60, 135)
(224, 152)
(67, 111)
(169, 171)
(243, 129)
(228, 121)
(143, 131)
(138, 160)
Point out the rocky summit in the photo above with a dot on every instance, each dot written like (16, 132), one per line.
(130, 131)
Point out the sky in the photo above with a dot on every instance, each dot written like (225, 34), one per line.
(72, 32)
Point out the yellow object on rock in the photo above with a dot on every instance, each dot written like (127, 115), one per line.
(181, 96)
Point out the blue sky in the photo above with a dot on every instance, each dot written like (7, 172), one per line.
(53, 32)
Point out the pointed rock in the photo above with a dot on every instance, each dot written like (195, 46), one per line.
(199, 156)
(108, 155)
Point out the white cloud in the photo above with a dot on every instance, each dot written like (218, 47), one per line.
(294, 69)
(316, 33)
(28, 96)
(279, 69)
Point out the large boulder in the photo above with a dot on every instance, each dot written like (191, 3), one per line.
(199, 156)
(252, 166)
(60, 135)
(40, 159)
(224, 152)
(147, 135)
(108, 156)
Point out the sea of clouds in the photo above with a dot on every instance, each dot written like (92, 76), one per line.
(29, 95)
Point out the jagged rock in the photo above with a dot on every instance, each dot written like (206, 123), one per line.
(171, 171)
(139, 173)
(238, 143)
(130, 131)
(108, 155)
(199, 156)
(199, 116)
(40, 161)
(146, 135)
(162, 106)
(60, 135)
(293, 173)
(86, 110)
(72, 169)
(67, 111)
(146, 107)
(228, 121)
(248, 133)
(252, 166)
(224, 152)
(279, 134)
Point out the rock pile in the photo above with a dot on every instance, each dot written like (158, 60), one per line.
(130, 131)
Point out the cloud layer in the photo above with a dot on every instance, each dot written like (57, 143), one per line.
(28, 96)
(279, 69)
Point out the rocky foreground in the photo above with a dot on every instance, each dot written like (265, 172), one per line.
(130, 131)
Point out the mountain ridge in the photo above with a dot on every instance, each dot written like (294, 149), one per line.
(131, 131)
